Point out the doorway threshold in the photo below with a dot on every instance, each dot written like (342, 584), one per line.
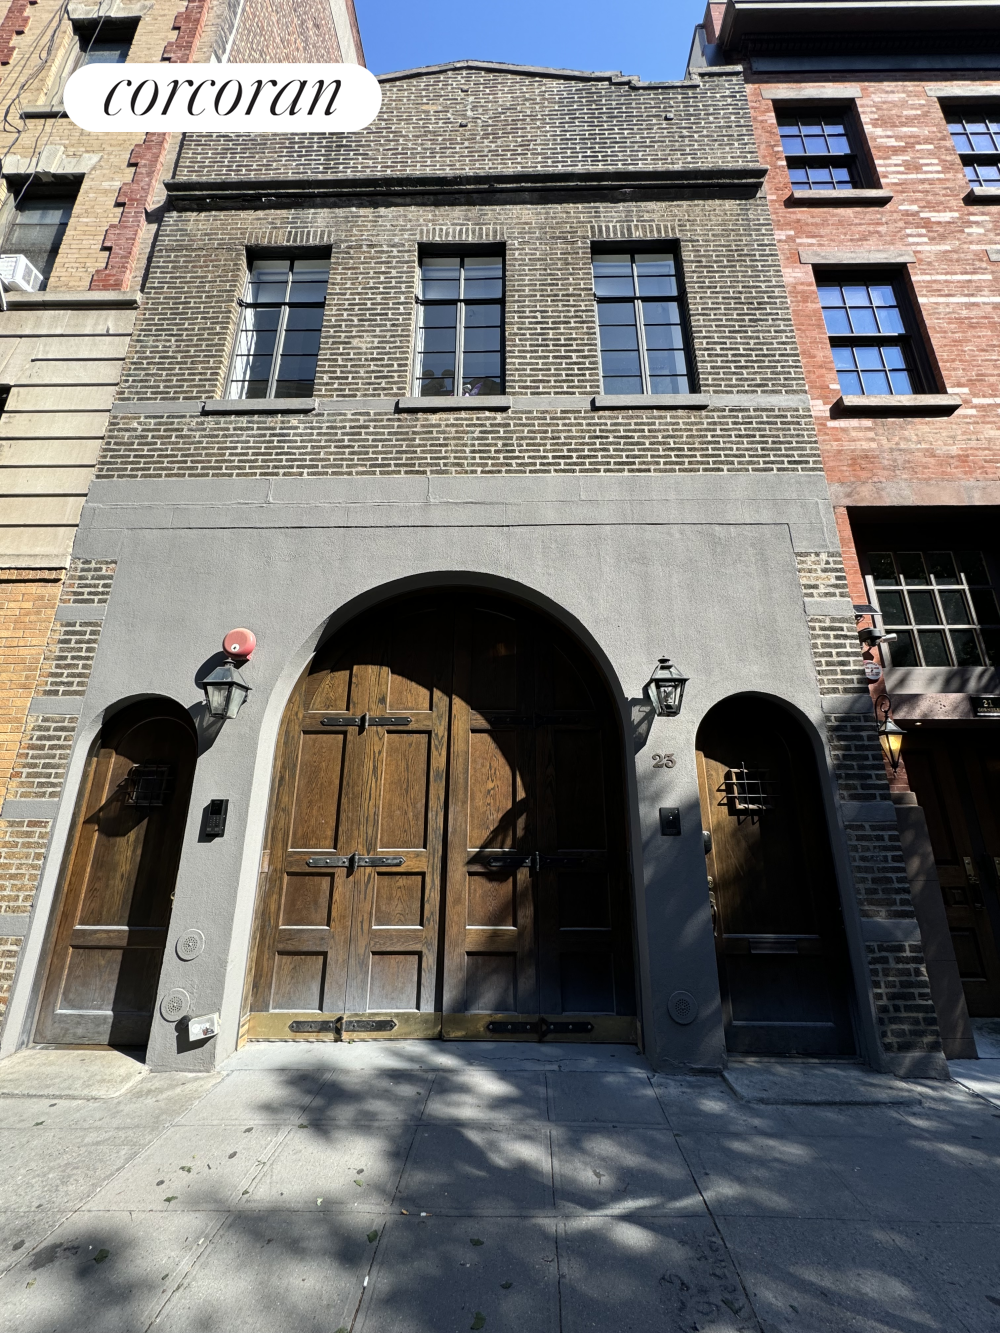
(785, 1082)
(436, 1055)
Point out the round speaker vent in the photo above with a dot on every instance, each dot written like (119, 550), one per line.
(189, 945)
(682, 1007)
(175, 1004)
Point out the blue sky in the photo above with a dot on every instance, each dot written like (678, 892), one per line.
(650, 38)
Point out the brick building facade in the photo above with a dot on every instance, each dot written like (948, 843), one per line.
(86, 208)
(633, 518)
(863, 116)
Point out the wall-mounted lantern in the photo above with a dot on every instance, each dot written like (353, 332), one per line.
(665, 688)
(890, 736)
(225, 689)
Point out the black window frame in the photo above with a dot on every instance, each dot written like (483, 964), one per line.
(974, 158)
(910, 649)
(633, 249)
(497, 251)
(94, 32)
(284, 306)
(25, 190)
(860, 169)
(916, 354)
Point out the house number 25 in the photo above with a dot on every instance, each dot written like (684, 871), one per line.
(664, 761)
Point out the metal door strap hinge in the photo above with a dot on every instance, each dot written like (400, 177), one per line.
(366, 720)
(513, 1029)
(351, 863)
(342, 1025)
(543, 1027)
(531, 860)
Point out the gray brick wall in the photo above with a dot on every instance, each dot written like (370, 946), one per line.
(491, 119)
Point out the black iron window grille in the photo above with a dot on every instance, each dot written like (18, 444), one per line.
(640, 323)
(149, 784)
(941, 605)
(748, 792)
(975, 132)
(871, 344)
(282, 318)
(460, 326)
(818, 150)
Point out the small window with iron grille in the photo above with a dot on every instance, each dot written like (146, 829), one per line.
(748, 792)
(819, 149)
(941, 606)
(870, 336)
(975, 132)
(460, 326)
(641, 324)
(149, 784)
(282, 319)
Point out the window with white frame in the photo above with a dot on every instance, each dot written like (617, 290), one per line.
(460, 326)
(281, 321)
(640, 324)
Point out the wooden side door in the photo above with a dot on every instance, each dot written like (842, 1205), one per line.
(348, 924)
(538, 933)
(779, 938)
(956, 778)
(108, 948)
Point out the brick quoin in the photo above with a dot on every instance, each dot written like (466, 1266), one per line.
(14, 23)
(122, 237)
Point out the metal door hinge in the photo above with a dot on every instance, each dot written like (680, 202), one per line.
(528, 861)
(970, 870)
(365, 720)
(351, 863)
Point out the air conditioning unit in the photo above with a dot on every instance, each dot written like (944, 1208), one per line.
(17, 272)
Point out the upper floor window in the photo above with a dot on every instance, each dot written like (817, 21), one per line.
(38, 223)
(640, 323)
(102, 41)
(975, 132)
(278, 339)
(460, 326)
(941, 605)
(871, 344)
(819, 151)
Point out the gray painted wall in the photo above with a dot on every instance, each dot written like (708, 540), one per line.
(702, 568)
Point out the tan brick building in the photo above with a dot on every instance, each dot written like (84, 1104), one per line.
(880, 128)
(83, 209)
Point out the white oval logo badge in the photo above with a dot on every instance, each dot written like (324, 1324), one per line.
(222, 99)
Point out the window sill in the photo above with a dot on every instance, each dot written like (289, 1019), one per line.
(495, 402)
(896, 405)
(840, 198)
(250, 406)
(980, 194)
(618, 402)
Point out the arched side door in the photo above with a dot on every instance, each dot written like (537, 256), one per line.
(446, 849)
(779, 937)
(118, 886)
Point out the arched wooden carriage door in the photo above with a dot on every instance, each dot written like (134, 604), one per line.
(446, 848)
(118, 885)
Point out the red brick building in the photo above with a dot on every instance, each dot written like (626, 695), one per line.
(880, 126)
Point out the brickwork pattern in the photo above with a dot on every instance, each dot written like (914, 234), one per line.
(10, 947)
(285, 30)
(930, 461)
(28, 601)
(22, 852)
(490, 121)
(740, 332)
(14, 24)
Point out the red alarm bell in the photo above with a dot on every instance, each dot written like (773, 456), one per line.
(239, 642)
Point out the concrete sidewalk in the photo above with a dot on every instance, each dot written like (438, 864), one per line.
(423, 1187)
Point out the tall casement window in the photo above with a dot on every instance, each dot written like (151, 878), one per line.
(819, 149)
(975, 132)
(460, 326)
(941, 605)
(870, 336)
(38, 223)
(282, 318)
(640, 324)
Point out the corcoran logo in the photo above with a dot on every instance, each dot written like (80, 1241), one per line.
(226, 99)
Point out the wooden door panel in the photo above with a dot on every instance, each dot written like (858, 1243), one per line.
(121, 866)
(780, 944)
(487, 711)
(950, 775)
